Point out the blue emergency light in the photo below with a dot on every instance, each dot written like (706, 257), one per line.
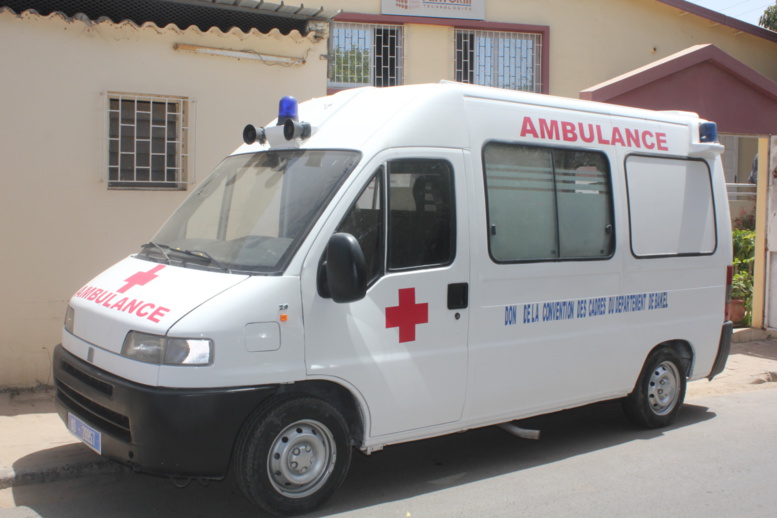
(288, 117)
(708, 132)
(287, 110)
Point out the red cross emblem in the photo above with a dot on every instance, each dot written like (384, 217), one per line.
(141, 278)
(407, 315)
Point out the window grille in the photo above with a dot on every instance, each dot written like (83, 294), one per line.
(148, 142)
(503, 59)
(366, 55)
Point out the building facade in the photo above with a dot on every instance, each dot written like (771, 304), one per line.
(109, 118)
(105, 126)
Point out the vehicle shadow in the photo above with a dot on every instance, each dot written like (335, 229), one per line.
(396, 473)
(421, 467)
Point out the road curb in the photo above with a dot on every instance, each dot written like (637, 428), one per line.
(748, 334)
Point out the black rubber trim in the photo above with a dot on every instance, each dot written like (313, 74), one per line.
(162, 431)
(724, 348)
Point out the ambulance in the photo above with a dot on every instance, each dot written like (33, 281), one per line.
(385, 265)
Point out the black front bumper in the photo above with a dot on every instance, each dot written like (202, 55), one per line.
(176, 432)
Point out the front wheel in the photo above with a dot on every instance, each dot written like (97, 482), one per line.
(293, 455)
(659, 392)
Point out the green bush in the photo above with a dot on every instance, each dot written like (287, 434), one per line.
(744, 259)
(742, 287)
(744, 250)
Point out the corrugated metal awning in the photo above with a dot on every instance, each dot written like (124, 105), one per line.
(225, 15)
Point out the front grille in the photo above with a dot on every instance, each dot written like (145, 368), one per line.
(105, 388)
(105, 419)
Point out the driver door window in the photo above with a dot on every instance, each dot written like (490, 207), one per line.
(420, 218)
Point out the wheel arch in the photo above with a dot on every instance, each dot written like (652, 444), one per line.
(338, 396)
(683, 349)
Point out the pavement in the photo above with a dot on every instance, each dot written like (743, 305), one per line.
(35, 446)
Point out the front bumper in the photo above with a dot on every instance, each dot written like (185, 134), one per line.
(163, 431)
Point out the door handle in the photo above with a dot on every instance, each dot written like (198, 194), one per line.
(458, 295)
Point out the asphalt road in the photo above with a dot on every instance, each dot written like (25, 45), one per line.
(718, 460)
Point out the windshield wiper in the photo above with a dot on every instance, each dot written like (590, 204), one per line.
(158, 247)
(203, 255)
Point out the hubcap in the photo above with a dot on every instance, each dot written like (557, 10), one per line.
(663, 388)
(301, 459)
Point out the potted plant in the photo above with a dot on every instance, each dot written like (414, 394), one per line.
(741, 298)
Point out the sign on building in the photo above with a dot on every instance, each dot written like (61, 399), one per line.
(468, 9)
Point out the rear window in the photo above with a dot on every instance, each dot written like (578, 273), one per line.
(671, 211)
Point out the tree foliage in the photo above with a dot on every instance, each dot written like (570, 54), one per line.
(768, 20)
(351, 65)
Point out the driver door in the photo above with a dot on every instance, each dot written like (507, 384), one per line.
(403, 347)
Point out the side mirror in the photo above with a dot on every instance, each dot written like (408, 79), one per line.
(346, 273)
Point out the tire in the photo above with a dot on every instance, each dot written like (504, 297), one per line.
(659, 392)
(292, 455)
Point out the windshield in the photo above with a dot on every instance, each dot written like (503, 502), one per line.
(253, 212)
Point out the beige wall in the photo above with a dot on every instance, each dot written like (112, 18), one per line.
(590, 41)
(60, 224)
(435, 60)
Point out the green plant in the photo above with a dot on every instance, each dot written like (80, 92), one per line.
(744, 258)
(743, 242)
(742, 287)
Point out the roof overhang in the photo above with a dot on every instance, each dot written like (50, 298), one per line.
(245, 15)
(701, 79)
(717, 18)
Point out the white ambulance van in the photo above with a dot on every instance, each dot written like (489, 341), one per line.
(386, 265)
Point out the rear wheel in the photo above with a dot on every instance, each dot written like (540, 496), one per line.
(659, 392)
(293, 455)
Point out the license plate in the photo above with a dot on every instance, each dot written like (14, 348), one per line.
(85, 433)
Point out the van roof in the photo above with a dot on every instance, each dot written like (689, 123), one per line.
(430, 115)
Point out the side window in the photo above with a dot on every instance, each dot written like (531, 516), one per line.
(547, 204)
(671, 211)
(365, 222)
(421, 217)
(421, 214)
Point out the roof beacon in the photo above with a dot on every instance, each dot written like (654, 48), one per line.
(708, 132)
(288, 116)
(287, 110)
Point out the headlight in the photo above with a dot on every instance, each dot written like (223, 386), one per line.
(70, 317)
(166, 350)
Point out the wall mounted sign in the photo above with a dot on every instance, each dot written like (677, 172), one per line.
(467, 9)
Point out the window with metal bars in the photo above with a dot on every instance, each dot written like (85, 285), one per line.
(147, 142)
(503, 59)
(366, 55)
